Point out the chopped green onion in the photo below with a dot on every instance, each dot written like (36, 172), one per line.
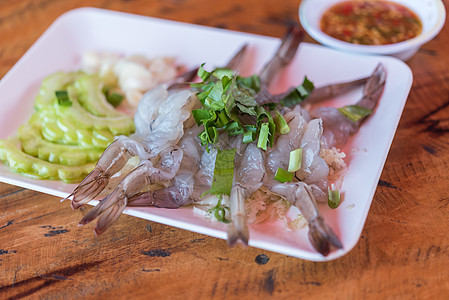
(221, 72)
(114, 98)
(262, 117)
(263, 136)
(222, 118)
(281, 125)
(333, 198)
(234, 128)
(283, 175)
(63, 98)
(219, 211)
(250, 134)
(355, 112)
(203, 74)
(223, 172)
(294, 163)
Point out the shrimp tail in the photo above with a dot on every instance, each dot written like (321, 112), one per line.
(238, 229)
(322, 236)
(111, 161)
(108, 211)
(374, 87)
(89, 188)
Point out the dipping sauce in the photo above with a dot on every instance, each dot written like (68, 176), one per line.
(370, 22)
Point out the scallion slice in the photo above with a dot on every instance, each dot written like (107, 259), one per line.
(63, 98)
(283, 175)
(294, 163)
(281, 125)
(263, 136)
(333, 198)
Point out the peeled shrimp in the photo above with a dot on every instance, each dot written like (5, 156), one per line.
(251, 163)
(248, 177)
(320, 234)
(180, 192)
(338, 128)
(302, 194)
(111, 207)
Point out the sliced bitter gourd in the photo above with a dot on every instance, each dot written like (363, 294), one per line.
(55, 82)
(30, 166)
(84, 138)
(34, 145)
(90, 95)
(81, 118)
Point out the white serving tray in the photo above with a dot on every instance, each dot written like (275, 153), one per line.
(90, 29)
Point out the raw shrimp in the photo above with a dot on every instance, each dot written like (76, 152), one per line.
(184, 188)
(318, 94)
(111, 207)
(152, 136)
(301, 194)
(248, 177)
(320, 234)
(252, 162)
(338, 128)
(278, 155)
(159, 124)
(183, 183)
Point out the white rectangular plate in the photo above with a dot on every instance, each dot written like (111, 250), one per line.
(86, 29)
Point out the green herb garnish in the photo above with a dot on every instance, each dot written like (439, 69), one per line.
(219, 211)
(225, 98)
(281, 125)
(299, 94)
(355, 112)
(294, 163)
(63, 98)
(283, 175)
(333, 198)
(223, 172)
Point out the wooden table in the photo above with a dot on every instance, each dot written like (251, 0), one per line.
(403, 251)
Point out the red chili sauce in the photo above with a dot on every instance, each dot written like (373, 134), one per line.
(370, 22)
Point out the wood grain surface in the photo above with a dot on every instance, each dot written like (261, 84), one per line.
(403, 252)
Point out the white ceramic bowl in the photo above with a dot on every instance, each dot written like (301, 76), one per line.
(431, 12)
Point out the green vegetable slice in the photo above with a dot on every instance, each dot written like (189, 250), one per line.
(282, 175)
(63, 98)
(223, 172)
(219, 211)
(355, 112)
(30, 166)
(294, 163)
(299, 94)
(333, 198)
(281, 125)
